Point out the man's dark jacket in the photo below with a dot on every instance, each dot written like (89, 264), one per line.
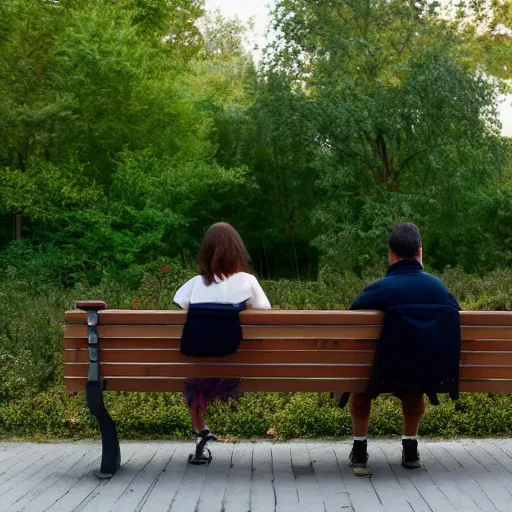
(419, 349)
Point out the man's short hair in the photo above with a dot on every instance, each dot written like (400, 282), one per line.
(405, 240)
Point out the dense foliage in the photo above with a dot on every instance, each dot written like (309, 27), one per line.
(127, 127)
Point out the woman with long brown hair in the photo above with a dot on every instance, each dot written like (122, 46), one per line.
(224, 286)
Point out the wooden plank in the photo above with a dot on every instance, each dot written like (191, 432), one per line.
(248, 317)
(276, 317)
(214, 488)
(385, 482)
(260, 332)
(285, 487)
(105, 500)
(486, 372)
(466, 482)
(265, 385)
(468, 346)
(66, 483)
(486, 317)
(162, 494)
(247, 345)
(485, 359)
(496, 451)
(421, 491)
(12, 451)
(324, 371)
(305, 478)
(189, 490)
(411, 493)
(486, 386)
(330, 482)
(11, 466)
(139, 489)
(360, 490)
(88, 485)
(266, 357)
(238, 492)
(262, 490)
(273, 357)
(448, 485)
(500, 497)
(487, 345)
(19, 473)
(504, 444)
(74, 385)
(126, 331)
(226, 370)
(31, 489)
(430, 492)
(501, 473)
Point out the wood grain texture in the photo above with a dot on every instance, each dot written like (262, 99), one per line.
(252, 357)
(270, 332)
(277, 344)
(275, 317)
(268, 357)
(322, 371)
(225, 370)
(282, 351)
(248, 317)
(76, 385)
(246, 345)
(252, 332)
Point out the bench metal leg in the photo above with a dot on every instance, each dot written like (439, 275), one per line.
(111, 454)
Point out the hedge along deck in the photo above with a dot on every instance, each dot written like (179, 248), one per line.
(282, 351)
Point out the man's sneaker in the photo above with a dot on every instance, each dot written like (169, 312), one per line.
(358, 459)
(410, 455)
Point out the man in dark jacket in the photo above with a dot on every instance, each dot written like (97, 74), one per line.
(419, 348)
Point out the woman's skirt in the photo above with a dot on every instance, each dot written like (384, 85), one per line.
(200, 391)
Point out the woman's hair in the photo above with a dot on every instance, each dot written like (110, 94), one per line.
(222, 253)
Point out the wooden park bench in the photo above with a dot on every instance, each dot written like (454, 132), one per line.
(306, 351)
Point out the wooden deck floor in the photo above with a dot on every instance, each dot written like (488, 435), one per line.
(466, 475)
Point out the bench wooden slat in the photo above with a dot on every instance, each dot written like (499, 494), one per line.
(262, 385)
(282, 351)
(269, 356)
(494, 318)
(271, 385)
(248, 317)
(175, 356)
(273, 331)
(224, 370)
(282, 344)
(275, 317)
(252, 345)
(331, 371)
(250, 332)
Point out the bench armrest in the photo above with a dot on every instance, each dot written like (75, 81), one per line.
(91, 305)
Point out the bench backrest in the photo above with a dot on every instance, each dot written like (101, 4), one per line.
(282, 351)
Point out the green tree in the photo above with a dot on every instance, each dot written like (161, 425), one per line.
(405, 128)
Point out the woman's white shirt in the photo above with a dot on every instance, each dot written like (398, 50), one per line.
(240, 287)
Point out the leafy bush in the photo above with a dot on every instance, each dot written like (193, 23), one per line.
(33, 401)
(54, 414)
